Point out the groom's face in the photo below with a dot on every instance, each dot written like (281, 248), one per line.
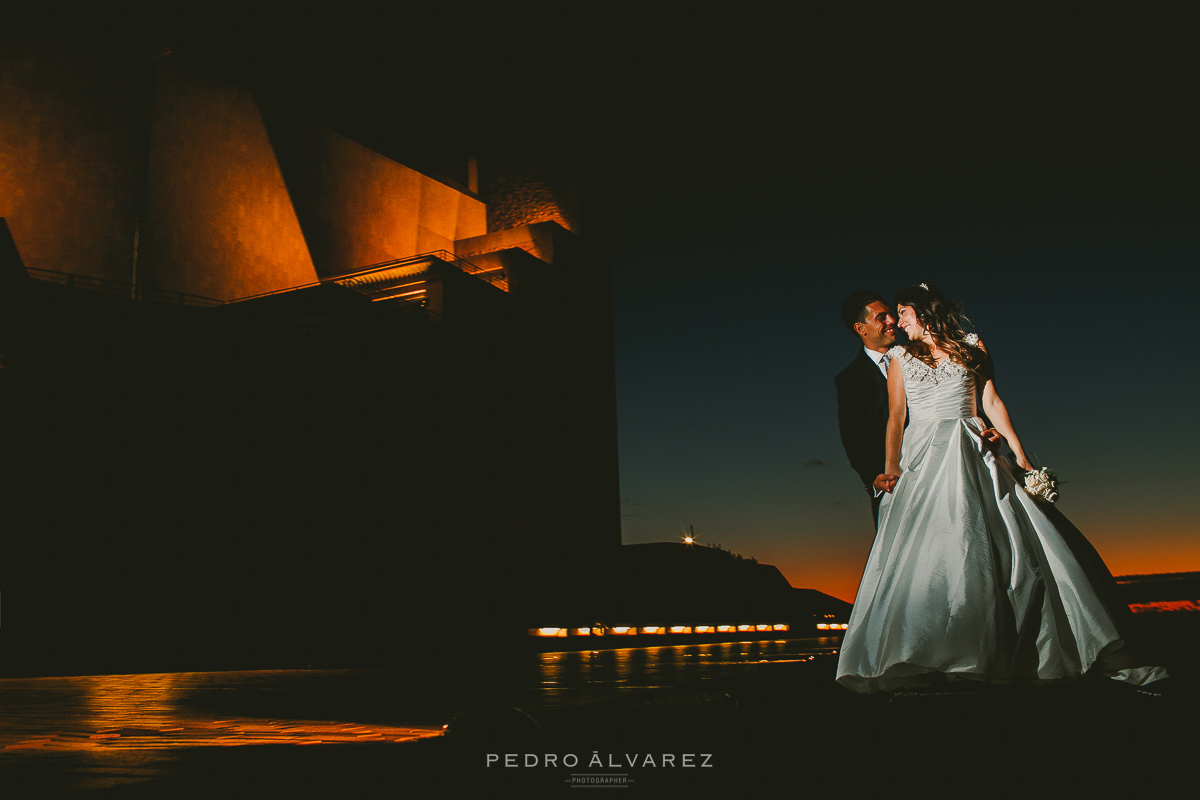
(878, 330)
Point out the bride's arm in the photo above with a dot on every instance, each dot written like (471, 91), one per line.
(897, 416)
(997, 412)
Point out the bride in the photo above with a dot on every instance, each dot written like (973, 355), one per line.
(969, 576)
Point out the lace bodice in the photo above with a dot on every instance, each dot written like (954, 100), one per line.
(947, 391)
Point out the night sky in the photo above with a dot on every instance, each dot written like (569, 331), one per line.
(1066, 226)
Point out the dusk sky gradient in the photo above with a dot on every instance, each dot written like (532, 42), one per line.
(1067, 228)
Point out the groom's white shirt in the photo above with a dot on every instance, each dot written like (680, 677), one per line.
(876, 357)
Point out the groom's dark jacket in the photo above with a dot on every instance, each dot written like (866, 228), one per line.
(862, 416)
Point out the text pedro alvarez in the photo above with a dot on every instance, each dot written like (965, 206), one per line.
(613, 761)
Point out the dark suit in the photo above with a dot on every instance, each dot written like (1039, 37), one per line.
(862, 418)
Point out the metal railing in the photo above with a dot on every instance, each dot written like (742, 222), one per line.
(121, 288)
(128, 289)
(495, 278)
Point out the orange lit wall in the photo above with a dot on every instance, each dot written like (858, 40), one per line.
(220, 221)
(70, 132)
(360, 208)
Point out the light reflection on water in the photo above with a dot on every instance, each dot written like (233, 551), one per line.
(610, 671)
(117, 719)
(104, 713)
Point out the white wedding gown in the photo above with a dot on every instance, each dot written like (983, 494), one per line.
(969, 576)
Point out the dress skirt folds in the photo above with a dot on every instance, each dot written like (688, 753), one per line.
(969, 576)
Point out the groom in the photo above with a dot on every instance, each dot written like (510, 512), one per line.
(862, 393)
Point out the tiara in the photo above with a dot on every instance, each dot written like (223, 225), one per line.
(924, 286)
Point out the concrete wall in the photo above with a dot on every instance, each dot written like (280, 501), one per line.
(220, 221)
(360, 208)
(523, 189)
(72, 126)
(94, 148)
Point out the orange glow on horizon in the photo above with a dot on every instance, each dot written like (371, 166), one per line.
(1129, 546)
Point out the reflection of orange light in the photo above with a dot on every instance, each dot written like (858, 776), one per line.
(165, 722)
(680, 629)
(1165, 605)
(744, 628)
(705, 628)
(781, 627)
(581, 631)
(822, 626)
(551, 631)
(621, 630)
(654, 629)
(762, 627)
(726, 628)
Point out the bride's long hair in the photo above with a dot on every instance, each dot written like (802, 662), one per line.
(946, 323)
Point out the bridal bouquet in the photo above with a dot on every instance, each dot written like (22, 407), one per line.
(1042, 484)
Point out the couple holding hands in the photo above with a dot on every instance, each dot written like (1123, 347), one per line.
(970, 576)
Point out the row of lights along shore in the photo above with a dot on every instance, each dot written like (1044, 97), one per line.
(658, 630)
(655, 630)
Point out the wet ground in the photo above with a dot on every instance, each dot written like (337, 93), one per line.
(718, 722)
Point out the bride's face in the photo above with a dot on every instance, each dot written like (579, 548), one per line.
(908, 322)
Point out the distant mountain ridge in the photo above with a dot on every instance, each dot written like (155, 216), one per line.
(672, 583)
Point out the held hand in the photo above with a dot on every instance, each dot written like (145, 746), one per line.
(886, 483)
(991, 440)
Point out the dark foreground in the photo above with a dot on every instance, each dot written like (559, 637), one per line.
(767, 727)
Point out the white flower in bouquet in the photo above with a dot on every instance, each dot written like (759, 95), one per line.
(1042, 484)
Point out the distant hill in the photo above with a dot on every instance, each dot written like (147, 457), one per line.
(1172, 591)
(671, 583)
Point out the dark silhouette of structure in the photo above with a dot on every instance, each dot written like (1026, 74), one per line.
(272, 397)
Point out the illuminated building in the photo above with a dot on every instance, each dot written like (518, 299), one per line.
(284, 398)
